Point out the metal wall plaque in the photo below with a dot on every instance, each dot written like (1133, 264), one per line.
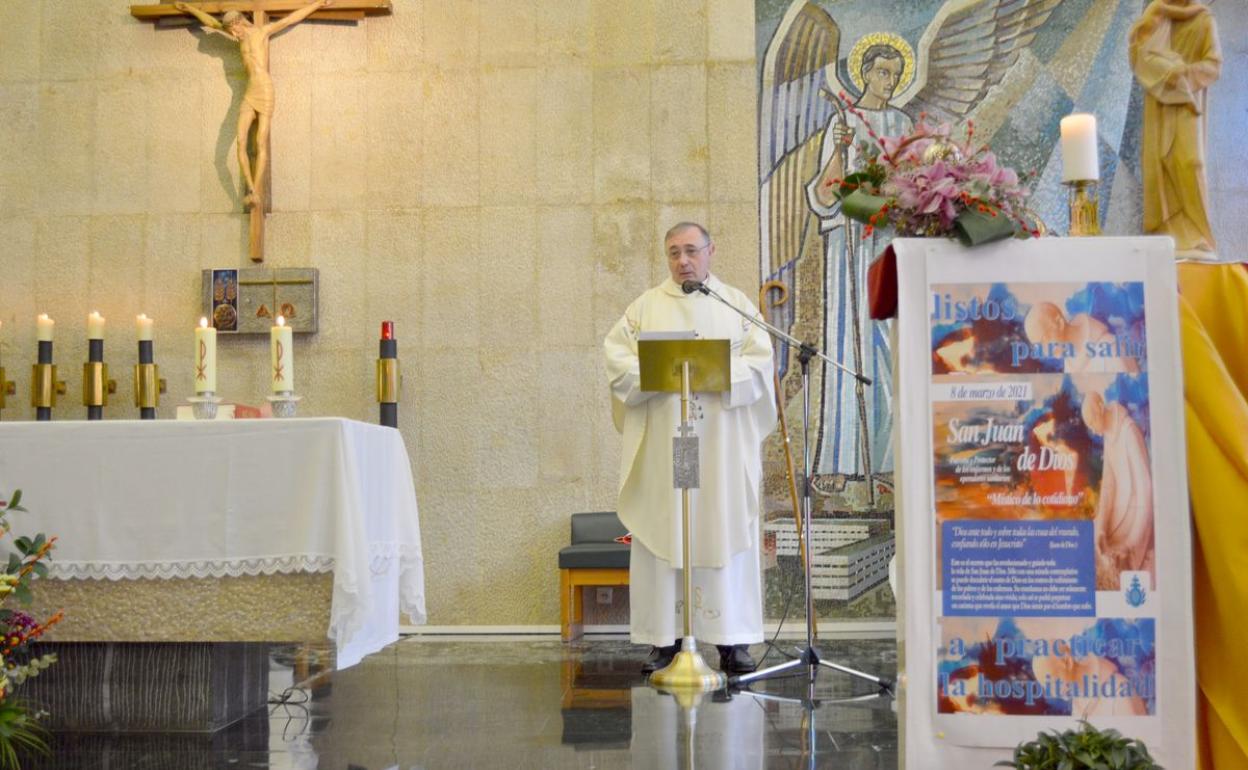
(249, 300)
(685, 462)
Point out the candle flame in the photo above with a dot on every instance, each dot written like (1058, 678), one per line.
(281, 320)
(44, 317)
(203, 323)
(143, 317)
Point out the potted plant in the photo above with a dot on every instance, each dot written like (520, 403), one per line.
(1086, 748)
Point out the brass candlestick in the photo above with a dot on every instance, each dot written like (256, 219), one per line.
(7, 388)
(96, 386)
(148, 385)
(95, 383)
(44, 387)
(147, 382)
(1085, 216)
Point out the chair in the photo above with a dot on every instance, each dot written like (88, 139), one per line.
(593, 559)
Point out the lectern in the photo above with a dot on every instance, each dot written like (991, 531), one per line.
(684, 366)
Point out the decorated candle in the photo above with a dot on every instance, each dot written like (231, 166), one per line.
(143, 326)
(95, 326)
(205, 358)
(282, 356)
(1080, 160)
(44, 325)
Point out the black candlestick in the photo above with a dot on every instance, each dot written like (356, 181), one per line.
(44, 413)
(146, 357)
(95, 355)
(388, 376)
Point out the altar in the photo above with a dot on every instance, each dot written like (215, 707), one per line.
(220, 533)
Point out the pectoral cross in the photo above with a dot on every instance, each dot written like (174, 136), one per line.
(268, 18)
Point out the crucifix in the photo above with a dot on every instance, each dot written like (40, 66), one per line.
(268, 18)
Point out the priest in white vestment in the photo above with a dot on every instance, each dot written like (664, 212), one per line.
(731, 426)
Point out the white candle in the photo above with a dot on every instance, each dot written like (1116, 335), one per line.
(282, 356)
(143, 325)
(1080, 161)
(205, 358)
(95, 326)
(44, 326)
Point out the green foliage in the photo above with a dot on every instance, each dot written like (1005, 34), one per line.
(1084, 749)
(20, 733)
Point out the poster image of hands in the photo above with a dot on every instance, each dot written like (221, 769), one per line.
(1044, 667)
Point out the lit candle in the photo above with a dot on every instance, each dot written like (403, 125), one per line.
(1080, 160)
(282, 356)
(205, 358)
(44, 326)
(143, 325)
(95, 326)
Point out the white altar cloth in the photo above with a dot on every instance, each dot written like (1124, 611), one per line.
(168, 499)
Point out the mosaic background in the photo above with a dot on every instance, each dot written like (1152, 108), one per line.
(1076, 62)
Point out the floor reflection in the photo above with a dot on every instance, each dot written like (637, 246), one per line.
(525, 703)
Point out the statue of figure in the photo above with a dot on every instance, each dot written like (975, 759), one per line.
(257, 108)
(1175, 56)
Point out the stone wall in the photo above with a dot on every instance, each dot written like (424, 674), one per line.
(493, 175)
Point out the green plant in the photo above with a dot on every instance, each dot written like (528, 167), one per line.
(20, 730)
(1084, 749)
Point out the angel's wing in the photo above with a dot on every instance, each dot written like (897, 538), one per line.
(799, 69)
(967, 49)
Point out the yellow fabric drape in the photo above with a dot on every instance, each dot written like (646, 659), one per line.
(1213, 318)
(1175, 56)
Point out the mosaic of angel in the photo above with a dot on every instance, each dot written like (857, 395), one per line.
(808, 136)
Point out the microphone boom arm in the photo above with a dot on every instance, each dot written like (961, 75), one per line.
(804, 349)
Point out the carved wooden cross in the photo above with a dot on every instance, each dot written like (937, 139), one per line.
(268, 18)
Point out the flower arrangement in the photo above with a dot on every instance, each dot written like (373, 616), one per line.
(927, 184)
(19, 721)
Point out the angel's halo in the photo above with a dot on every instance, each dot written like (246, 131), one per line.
(891, 39)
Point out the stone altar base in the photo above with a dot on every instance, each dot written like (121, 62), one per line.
(197, 661)
(128, 687)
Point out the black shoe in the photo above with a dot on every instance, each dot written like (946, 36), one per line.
(735, 659)
(660, 657)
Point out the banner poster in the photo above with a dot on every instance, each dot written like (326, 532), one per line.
(1043, 519)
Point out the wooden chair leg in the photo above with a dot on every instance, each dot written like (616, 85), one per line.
(565, 605)
(571, 606)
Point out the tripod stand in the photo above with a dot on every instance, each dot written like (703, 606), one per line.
(808, 657)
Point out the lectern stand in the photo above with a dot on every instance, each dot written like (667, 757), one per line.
(683, 366)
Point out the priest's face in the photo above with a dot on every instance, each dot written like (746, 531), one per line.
(689, 255)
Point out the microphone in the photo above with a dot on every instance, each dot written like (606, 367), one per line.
(689, 287)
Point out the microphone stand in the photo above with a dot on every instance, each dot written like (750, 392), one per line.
(809, 657)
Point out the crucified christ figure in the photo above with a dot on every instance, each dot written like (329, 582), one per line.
(257, 108)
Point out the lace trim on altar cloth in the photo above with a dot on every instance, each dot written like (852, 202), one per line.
(380, 558)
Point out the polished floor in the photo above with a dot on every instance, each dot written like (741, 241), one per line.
(526, 703)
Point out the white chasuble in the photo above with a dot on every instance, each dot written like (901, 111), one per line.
(730, 427)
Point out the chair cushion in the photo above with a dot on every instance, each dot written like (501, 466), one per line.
(601, 527)
(594, 556)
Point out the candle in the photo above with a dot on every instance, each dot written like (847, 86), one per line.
(205, 358)
(45, 326)
(95, 326)
(282, 356)
(143, 325)
(1080, 160)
